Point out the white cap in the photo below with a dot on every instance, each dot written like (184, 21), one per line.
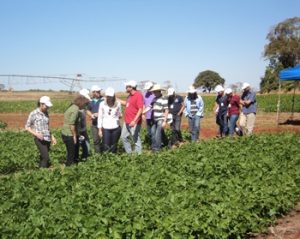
(245, 85)
(46, 100)
(109, 92)
(131, 83)
(95, 88)
(228, 91)
(192, 89)
(85, 93)
(148, 85)
(171, 91)
(219, 88)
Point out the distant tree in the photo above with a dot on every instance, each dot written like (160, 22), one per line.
(208, 80)
(284, 43)
(282, 51)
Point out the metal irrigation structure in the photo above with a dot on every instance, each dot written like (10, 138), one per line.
(71, 82)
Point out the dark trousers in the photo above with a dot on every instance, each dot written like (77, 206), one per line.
(110, 139)
(43, 147)
(96, 139)
(222, 121)
(72, 150)
(176, 135)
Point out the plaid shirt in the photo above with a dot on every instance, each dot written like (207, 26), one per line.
(39, 122)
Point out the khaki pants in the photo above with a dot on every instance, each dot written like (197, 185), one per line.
(247, 122)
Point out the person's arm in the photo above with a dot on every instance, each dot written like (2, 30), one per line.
(201, 107)
(136, 118)
(165, 118)
(28, 128)
(182, 107)
(100, 119)
(73, 131)
(122, 102)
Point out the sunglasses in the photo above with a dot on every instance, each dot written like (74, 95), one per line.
(109, 112)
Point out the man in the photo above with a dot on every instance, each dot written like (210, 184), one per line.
(148, 98)
(176, 107)
(248, 115)
(92, 111)
(133, 118)
(220, 109)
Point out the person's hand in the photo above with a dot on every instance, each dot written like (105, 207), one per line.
(164, 124)
(100, 133)
(53, 140)
(75, 139)
(132, 123)
(39, 136)
(143, 117)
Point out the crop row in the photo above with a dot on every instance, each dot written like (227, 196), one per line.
(213, 189)
(266, 103)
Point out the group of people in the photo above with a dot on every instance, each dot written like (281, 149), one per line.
(230, 107)
(153, 107)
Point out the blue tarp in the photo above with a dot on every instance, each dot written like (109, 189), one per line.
(290, 74)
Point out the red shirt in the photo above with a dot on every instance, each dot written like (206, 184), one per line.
(133, 104)
(234, 108)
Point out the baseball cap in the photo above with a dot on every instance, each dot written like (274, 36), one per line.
(171, 91)
(148, 85)
(46, 100)
(110, 92)
(245, 85)
(85, 93)
(192, 89)
(219, 88)
(228, 91)
(95, 88)
(131, 83)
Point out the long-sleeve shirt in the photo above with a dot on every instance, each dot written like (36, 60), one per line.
(109, 117)
(190, 111)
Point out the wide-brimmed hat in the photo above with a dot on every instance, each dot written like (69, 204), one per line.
(109, 92)
(245, 85)
(156, 87)
(45, 100)
(219, 88)
(131, 83)
(192, 89)
(85, 93)
(148, 85)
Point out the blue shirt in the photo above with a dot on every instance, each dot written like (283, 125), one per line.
(199, 104)
(249, 95)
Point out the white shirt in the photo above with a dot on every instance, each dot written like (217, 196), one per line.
(109, 117)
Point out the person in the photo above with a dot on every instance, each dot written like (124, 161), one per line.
(194, 111)
(109, 115)
(92, 111)
(38, 125)
(220, 109)
(160, 112)
(84, 140)
(132, 118)
(233, 112)
(248, 115)
(176, 107)
(148, 98)
(70, 134)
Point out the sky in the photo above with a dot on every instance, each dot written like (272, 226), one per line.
(141, 40)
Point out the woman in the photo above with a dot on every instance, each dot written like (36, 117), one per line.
(38, 125)
(109, 115)
(194, 111)
(70, 134)
(220, 109)
(233, 112)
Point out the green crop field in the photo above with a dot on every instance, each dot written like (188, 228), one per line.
(226, 188)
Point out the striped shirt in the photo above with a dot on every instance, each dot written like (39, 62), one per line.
(39, 122)
(159, 107)
(194, 107)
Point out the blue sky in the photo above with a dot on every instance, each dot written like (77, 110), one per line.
(157, 40)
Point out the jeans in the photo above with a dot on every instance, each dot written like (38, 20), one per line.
(110, 139)
(194, 127)
(222, 121)
(43, 147)
(232, 124)
(158, 136)
(176, 133)
(149, 123)
(72, 150)
(96, 139)
(85, 145)
(131, 134)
